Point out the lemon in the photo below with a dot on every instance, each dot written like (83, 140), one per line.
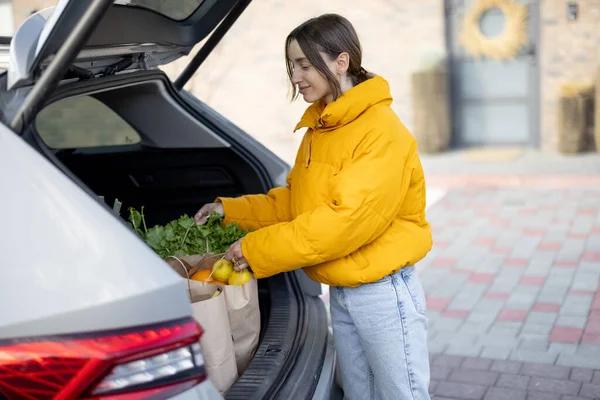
(222, 270)
(240, 278)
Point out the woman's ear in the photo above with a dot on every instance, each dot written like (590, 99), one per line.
(342, 63)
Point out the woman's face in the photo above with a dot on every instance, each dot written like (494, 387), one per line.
(312, 85)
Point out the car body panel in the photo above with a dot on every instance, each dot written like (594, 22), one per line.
(68, 264)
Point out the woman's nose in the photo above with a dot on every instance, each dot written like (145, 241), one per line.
(296, 79)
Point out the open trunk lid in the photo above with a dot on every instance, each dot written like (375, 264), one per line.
(131, 35)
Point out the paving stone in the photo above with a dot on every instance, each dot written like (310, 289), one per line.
(506, 366)
(575, 309)
(513, 324)
(588, 350)
(571, 321)
(437, 346)
(477, 363)
(526, 247)
(439, 372)
(588, 275)
(586, 266)
(589, 390)
(578, 360)
(535, 356)
(543, 318)
(536, 329)
(545, 371)
(487, 378)
(581, 375)
(460, 390)
(505, 394)
(572, 249)
(563, 273)
(500, 338)
(506, 286)
(574, 398)
(537, 270)
(497, 353)
(473, 327)
(538, 344)
(448, 324)
(556, 386)
(488, 307)
(448, 361)
(464, 350)
(521, 301)
(557, 282)
(463, 302)
(446, 398)
(512, 381)
(474, 289)
(596, 378)
(432, 385)
(554, 295)
(564, 348)
(542, 396)
(542, 258)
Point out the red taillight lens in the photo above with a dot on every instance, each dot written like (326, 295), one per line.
(122, 364)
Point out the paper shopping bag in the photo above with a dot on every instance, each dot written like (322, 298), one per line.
(209, 309)
(217, 344)
(244, 319)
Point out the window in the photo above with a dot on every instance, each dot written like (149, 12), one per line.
(174, 9)
(83, 122)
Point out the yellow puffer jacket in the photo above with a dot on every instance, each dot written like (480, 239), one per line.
(354, 208)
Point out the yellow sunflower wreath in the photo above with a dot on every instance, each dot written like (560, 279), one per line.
(502, 47)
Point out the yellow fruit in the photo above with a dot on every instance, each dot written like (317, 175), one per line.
(202, 276)
(222, 270)
(240, 278)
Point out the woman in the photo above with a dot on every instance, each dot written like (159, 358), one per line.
(352, 215)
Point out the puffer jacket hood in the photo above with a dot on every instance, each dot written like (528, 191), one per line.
(354, 207)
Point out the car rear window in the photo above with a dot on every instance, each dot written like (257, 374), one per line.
(174, 9)
(83, 121)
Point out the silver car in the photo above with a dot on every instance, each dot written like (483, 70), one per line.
(87, 309)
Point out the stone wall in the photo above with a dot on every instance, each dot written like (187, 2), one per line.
(570, 50)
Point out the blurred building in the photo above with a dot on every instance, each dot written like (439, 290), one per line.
(493, 102)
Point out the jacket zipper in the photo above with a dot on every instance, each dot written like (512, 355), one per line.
(307, 161)
(310, 143)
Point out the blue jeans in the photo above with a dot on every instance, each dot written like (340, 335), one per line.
(380, 333)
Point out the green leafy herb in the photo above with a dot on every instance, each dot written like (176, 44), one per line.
(182, 237)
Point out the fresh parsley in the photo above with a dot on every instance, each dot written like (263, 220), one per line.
(182, 237)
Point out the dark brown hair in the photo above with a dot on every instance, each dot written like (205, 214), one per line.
(331, 34)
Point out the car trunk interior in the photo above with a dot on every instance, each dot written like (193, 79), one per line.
(163, 173)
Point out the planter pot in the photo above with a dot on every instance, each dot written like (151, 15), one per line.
(431, 110)
(572, 124)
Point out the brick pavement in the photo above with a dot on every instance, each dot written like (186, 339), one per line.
(512, 287)
(469, 378)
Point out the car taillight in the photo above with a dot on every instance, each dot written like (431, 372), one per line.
(131, 364)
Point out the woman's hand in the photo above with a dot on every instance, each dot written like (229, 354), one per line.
(202, 215)
(235, 255)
